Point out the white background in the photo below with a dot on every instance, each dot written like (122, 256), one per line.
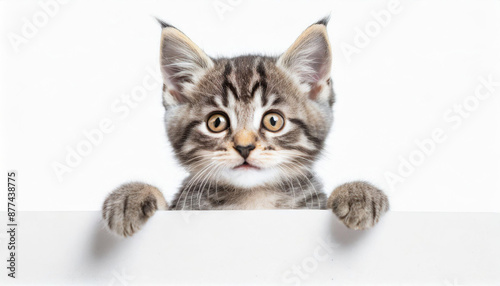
(67, 77)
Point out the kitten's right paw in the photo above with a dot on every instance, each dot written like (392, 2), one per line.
(127, 208)
(359, 205)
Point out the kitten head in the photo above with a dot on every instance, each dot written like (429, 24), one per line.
(250, 120)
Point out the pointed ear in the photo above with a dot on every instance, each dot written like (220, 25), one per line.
(182, 64)
(310, 58)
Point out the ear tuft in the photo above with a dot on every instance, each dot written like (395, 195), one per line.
(309, 58)
(323, 21)
(163, 24)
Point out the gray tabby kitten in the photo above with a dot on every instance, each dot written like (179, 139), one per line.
(248, 129)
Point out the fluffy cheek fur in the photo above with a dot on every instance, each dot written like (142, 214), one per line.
(220, 164)
(270, 169)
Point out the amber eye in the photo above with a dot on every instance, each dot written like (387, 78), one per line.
(217, 122)
(273, 121)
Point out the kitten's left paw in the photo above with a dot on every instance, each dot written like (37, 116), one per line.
(127, 208)
(359, 205)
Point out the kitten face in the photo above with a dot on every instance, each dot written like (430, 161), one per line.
(250, 120)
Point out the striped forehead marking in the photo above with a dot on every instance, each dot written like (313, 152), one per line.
(241, 77)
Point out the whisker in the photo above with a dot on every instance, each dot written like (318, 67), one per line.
(314, 188)
(188, 186)
(203, 183)
(200, 176)
(290, 183)
(209, 180)
(300, 185)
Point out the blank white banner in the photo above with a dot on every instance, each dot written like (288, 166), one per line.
(295, 247)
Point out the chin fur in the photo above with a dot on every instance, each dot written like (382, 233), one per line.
(250, 178)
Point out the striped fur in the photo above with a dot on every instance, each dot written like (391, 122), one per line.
(276, 169)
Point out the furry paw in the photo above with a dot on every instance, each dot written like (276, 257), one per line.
(359, 205)
(128, 207)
